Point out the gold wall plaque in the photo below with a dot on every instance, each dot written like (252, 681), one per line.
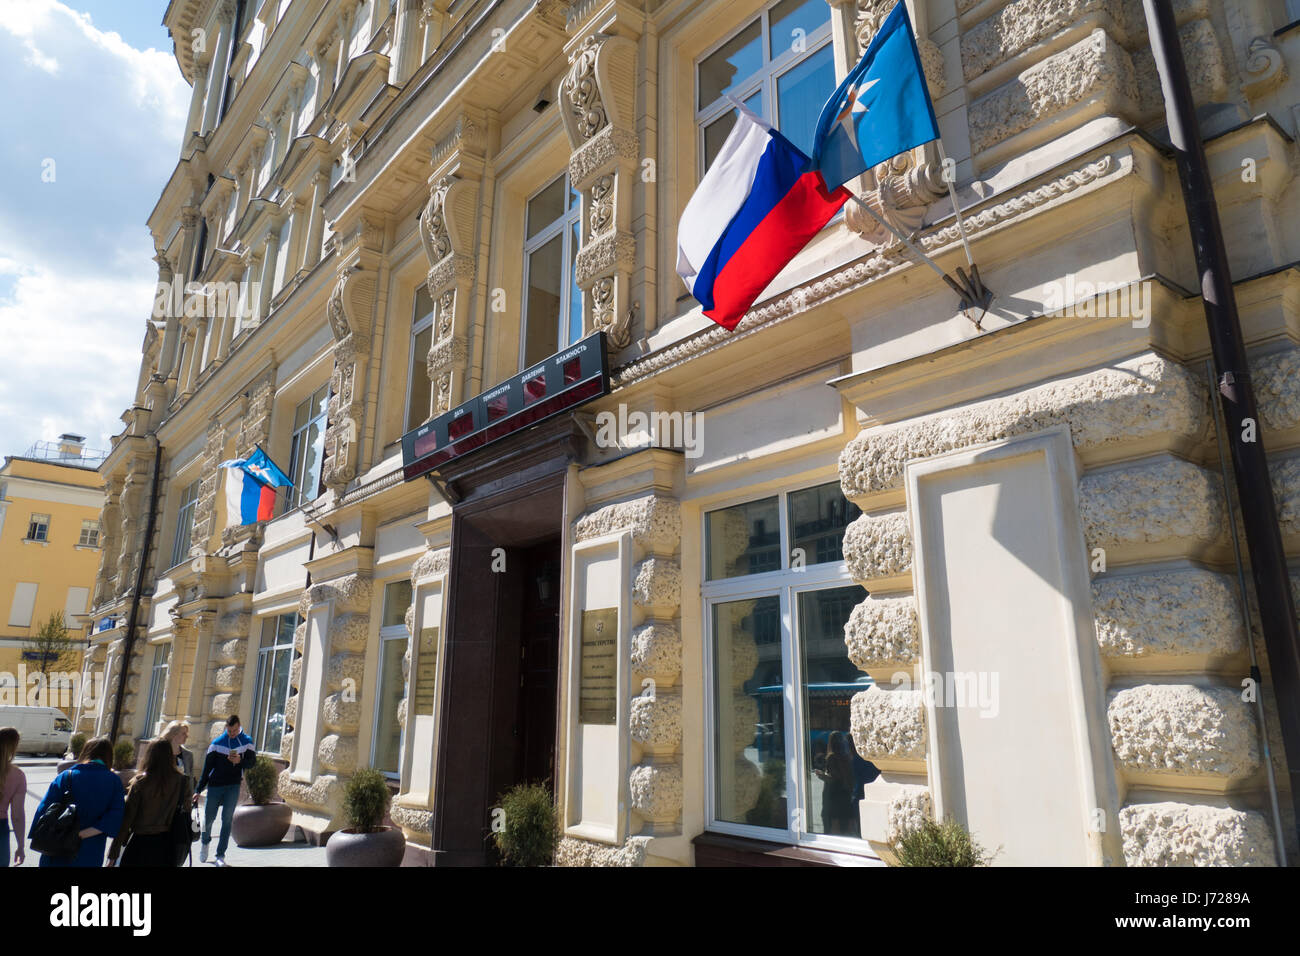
(426, 673)
(598, 688)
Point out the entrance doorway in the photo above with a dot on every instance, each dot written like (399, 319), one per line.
(499, 700)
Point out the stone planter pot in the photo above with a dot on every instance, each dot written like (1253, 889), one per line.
(385, 847)
(261, 824)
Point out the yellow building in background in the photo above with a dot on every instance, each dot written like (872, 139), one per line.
(50, 501)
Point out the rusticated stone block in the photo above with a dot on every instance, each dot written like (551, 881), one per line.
(1155, 501)
(1285, 474)
(1183, 729)
(338, 753)
(1094, 68)
(433, 562)
(1140, 397)
(411, 818)
(1276, 378)
(655, 791)
(908, 810)
(1168, 614)
(345, 670)
(1181, 834)
(349, 593)
(295, 673)
(1018, 26)
(888, 724)
(231, 651)
(575, 852)
(341, 715)
(656, 721)
(883, 632)
(656, 652)
(657, 582)
(228, 678)
(325, 793)
(348, 632)
(878, 546)
(654, 521)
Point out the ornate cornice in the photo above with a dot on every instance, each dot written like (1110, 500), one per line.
(851, 277)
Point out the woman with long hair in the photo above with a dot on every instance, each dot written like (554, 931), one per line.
(97, 792)
(13, 792)
(176, 733)
(151, 805)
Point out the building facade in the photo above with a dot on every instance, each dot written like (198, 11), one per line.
(50, 499)
(771, 595)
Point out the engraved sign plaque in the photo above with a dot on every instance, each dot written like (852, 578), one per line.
(597, 690)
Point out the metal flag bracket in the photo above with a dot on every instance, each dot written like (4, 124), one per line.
(974, 295)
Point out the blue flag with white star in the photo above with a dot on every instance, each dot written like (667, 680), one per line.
(881, 109)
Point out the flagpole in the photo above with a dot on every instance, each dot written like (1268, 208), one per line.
(956, 206)
(956, 287)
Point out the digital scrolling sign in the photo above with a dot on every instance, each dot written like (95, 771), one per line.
(567, 379)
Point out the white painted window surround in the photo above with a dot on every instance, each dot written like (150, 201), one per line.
(20, 612)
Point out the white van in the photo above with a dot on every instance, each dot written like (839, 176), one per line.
(43, 730)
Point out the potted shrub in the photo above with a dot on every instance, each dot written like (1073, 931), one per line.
(940, 844)
(124, 760)
(261, 822)
(530, 829)
(365, 841)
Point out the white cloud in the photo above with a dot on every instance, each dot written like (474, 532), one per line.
(76, 273)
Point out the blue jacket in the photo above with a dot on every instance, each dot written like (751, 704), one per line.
(218, 771)
(100, 799)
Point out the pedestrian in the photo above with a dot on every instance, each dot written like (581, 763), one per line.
(152, 802)
(99, 797)
(177, 733)
(13, 793)
(223, 769)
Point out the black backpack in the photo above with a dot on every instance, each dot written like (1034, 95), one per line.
(55, 832)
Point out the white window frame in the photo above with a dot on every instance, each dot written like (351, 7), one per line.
(394, 632)
(262, 676)
(420, 362)
(90, 540)
(186, 504)
(785, 584)
(298, 494)
(563, 224)
(33, 526)
(764, 80)
(157, 686)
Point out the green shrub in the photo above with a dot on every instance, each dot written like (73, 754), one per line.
(940, 844)
(260, 778)
(365, 799)
(529, 828)
(124, 755)
(76, 743)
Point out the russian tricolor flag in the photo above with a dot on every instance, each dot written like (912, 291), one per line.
(250, 488)
(755, 208)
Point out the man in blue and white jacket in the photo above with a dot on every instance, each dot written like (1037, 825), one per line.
(223, 769)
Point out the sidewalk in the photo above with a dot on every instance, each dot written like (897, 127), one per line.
(292, 852)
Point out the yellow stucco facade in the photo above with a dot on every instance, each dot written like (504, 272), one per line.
(49, 550)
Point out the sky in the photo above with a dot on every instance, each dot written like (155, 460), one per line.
(93, 107)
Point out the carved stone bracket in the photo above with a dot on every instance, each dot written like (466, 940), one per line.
(1265, 68)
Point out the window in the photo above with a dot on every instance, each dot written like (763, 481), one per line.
(38, 528)
(184, 523)
(308, 446)
(89, 533)
(162, 655)
(393, 637)
(20, 612)
(781, 66)
(419, 390)
(552, 315)
(75, 605)
(776, 601)
(274, 655)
